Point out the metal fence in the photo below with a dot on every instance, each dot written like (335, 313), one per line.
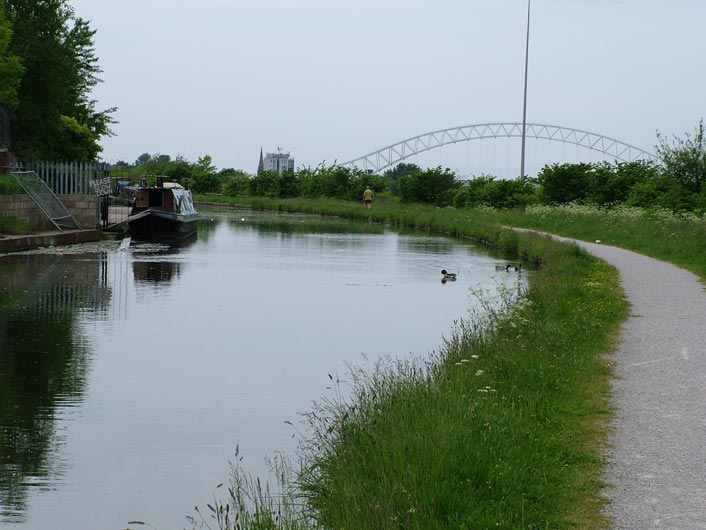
(46, 199)
(69, 178)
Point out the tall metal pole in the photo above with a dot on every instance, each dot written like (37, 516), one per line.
(524, 104)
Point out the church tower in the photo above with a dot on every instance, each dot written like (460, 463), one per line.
(261, 165)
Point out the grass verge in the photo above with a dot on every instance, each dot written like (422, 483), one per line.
(677, 238)
(503, 430)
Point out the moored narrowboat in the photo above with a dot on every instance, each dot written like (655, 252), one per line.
(163, 213)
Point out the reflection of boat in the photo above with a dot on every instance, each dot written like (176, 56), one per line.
(163, 213)
(154, 271)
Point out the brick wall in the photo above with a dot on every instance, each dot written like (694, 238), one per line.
(83, 207)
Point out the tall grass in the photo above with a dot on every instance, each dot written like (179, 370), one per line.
(502, 429)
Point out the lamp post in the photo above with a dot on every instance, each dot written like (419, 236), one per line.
(524, 104)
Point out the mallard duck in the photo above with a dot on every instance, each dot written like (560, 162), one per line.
(447, 275)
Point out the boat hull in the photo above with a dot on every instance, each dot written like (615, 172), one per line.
(160, 226)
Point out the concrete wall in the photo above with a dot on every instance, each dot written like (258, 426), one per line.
(83, 207)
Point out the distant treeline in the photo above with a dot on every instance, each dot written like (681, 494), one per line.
(677, 183)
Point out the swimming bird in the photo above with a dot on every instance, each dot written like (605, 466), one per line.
(505, 268)
(447, 275)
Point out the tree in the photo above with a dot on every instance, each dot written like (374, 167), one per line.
(11, 68)
(360, 180)
(400, 170)
(75, 140)
(662, 192)
(205, 179)
(396, 173)
(333, 181)
(235, 181)
(685, 160)
(562, 183)
(264, 184)
(611, 183)
(143, 159)
(487, 191)
(431, 186)
(288, 184)
(60, 70)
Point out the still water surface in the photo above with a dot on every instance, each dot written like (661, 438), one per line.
(128, 376)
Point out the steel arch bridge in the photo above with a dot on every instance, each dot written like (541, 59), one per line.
(392, 154)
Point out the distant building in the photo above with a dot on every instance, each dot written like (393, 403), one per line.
(279, 162)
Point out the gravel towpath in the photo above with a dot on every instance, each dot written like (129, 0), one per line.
(657, 456)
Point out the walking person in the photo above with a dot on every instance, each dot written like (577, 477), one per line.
(368, 196)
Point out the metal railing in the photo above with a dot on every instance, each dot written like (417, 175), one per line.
(69, 178)
(47, 200)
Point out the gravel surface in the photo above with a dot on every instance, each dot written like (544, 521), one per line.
(657, 459)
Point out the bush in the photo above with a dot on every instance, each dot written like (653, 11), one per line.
(685, 161)
(430, 186)
(611, 184)
(9, 186)
(235, 182)
(563, 183)
(13, 226)
(662, 191)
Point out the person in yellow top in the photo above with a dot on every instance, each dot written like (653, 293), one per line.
(368, 196)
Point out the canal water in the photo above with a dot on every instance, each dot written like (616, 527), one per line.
(127, 376)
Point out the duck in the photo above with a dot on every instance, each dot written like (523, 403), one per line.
(447, 275)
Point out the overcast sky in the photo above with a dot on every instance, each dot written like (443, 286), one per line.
(336, 79)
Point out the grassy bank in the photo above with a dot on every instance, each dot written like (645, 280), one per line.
(502, 430)
(676, 238)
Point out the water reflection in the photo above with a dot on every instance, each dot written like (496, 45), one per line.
(302, 224)
(43, 364)
(427, 245)
(155, 271)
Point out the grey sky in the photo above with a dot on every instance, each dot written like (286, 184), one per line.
(336, 79)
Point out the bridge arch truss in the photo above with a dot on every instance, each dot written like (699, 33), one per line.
(395, 153)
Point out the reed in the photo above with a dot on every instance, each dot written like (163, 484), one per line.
(502, 428)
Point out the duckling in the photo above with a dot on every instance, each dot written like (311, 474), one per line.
(447, 276)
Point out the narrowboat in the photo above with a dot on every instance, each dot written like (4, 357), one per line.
(163, 213)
